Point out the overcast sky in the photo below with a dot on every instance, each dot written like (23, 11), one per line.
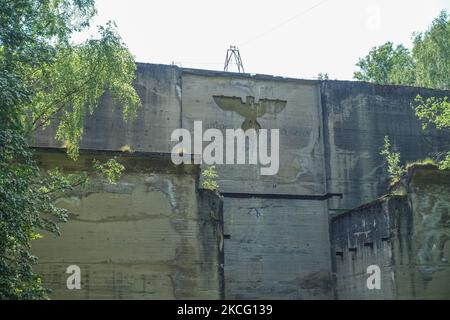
(284, 37)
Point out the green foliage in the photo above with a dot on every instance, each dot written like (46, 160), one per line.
(30, 28)
(420, 162)
(394, 168)
(209, 177)
(26, 197)
(445, 163)
(77, 79)
(434, 111)
(322, 76)
(428, 65)
(431, 53)
(44, 78)
(111, 170)
(386, 65)
(126, 148)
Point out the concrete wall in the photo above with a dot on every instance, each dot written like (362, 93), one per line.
(427, 276)
(363, 237)
(330, 136)
(407, 235)
(357, 116)
(277, 249)
(300, 124)
(159, 88)
(259, 261)
(152, 235)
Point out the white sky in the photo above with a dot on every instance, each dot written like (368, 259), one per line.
(282, 37)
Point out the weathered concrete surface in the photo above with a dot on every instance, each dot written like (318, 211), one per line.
(159, 88)
(150, 236)
(363, 237)
(300, 124)
(427, 276)
(277, 249)
(357, 116)
(260, 261)
(330, 136)
(407, 235)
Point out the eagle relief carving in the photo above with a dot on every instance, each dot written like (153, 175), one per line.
(250, 109)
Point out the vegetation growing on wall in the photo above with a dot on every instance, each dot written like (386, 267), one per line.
(394, 167)
(111, 170)
(435, 112)
(209, 177)
(427, 65)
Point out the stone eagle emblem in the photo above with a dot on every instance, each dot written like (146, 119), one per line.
(250, 109)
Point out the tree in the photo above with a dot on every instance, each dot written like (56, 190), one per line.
(45, 78)
(322, 76)
(428, 65)
(431, 53)
(386, 65)
(436, 112)
(26, 197)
